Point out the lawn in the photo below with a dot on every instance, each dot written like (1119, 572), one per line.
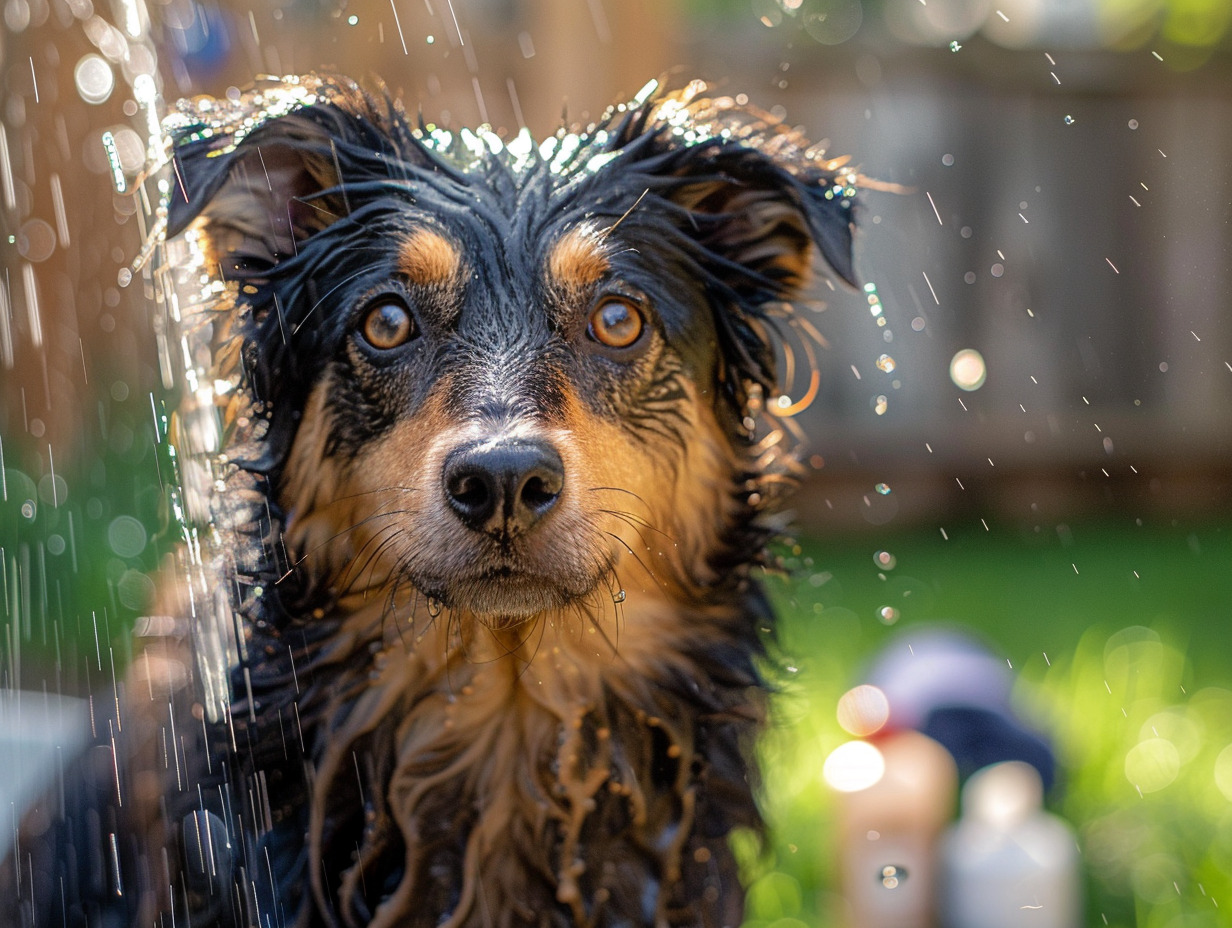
(1119, 633)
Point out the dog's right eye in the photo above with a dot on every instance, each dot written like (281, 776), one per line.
(388, 325)
(616, 323)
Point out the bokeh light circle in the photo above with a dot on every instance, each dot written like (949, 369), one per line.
(135, 590)
(94, 79)
(126, 536)
(36, 240)
(863, 710)
(832, 22)
(968, 370)
(1223, 772)
(853, 766)
(1152, 764)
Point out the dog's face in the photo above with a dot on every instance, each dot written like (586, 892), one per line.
(511, 381)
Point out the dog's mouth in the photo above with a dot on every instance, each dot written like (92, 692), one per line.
(505, 595)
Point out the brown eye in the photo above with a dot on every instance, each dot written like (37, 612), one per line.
(615, 323)
(388, 325)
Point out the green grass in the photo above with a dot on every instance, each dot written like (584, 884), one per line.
(1120, 636)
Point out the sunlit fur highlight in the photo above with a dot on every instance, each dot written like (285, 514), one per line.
(429, 259)
(578, 259)
(566, 742)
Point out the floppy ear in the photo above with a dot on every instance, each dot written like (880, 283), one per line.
(755, 200)
(760, 195)
(262, 172)
(262, 176)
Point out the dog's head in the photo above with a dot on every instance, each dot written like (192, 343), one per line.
(513, 379)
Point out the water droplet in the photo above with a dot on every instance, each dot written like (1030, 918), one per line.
(885, 560)
(28, 509)
(125, 277)
(619, 596)
(885, 363)
(434, 606)
(888, 615)
(955, 47)
(883, 489)
(891, 876)
(880, 405)
(1133, 124)
(1069, 120)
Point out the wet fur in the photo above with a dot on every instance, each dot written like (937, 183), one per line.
(549, 730)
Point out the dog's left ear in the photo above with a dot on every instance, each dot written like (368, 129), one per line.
(758, 196)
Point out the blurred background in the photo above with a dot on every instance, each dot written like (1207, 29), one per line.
(1022, 426)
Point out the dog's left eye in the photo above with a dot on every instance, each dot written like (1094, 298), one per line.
(388, 325)
(616, 323)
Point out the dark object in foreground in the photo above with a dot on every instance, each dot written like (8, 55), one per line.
(494, 500)
(948, 685)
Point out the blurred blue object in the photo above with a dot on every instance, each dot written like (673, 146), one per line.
(40, 735)
(200, 33)
(947, 685)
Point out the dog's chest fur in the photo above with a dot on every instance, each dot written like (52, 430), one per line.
(549, 782)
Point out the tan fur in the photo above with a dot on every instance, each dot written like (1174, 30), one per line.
(428, 259)
(578, 260)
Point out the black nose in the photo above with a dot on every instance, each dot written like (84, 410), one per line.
(503, 488)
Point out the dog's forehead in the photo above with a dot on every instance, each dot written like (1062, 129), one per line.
(518, 214)
(496, 236)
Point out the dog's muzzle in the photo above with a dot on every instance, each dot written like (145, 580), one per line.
(503, 488)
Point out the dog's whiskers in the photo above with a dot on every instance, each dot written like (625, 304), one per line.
(612, 228)
(619, 490)
(384, 489)
(637, 529)
(294, 565)
(646, 567)
(590, 618)
(636, 522)
(338, 286)
(391, 534)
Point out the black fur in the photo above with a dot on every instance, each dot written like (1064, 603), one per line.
(716, 209)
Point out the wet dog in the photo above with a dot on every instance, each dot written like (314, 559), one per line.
(495, 407)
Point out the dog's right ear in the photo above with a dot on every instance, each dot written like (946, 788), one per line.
(255, 200)
(262, 174)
